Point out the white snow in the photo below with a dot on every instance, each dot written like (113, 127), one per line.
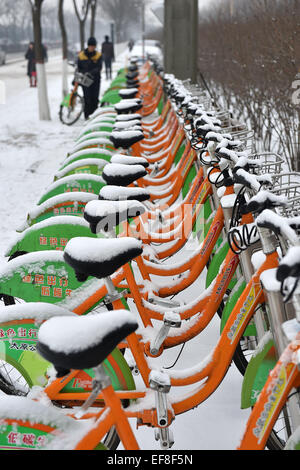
(99, 250)
(120, 169)
(39, 311)
(77, 333)
(121, 192)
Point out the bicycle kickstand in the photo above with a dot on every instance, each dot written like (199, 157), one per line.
(160, 383)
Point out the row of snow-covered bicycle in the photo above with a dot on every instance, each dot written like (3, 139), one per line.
(161, 189)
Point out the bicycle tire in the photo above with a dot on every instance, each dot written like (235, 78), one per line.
(63, 109)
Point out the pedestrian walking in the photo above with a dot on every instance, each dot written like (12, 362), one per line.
(31, 69)
(108, 54)
(90, 62)
(130, 45)
(31, 65)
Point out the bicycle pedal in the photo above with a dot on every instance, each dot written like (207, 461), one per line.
(171, 320)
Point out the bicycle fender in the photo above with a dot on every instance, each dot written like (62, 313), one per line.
(261, 363)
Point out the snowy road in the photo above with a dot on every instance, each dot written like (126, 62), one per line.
(31, 152)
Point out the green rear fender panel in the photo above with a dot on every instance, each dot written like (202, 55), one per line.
(111, 97)
(160, 106)
(103, 127)
(76, 184)
(52, 237)
(41, 276)
(66, 100)
(216, 261)
(238, 288)
(91, 169)
(261, 363)
(179, 152)
(18, 348)
(91, 154)
(201, 225)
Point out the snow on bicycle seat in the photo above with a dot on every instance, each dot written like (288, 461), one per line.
(38, 311)
(127, 106)
(120, 193)
(126, 138)
(133, 83)
(132, 75)
(100, 257)
(129, 160)
(82, 342)
(128, 117)
(128, 93)
(133, 125)
(133, 67)
(122, 175)
(106, 215)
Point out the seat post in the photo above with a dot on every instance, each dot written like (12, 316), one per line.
(100, 382)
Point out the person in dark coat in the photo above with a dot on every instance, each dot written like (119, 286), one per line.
(90, 61)
(108, 54)
(31, 69)
(31, 65)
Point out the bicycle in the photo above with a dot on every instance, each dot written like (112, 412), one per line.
(72, 106)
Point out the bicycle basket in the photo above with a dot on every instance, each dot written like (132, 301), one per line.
(288, 184)
(83, 79)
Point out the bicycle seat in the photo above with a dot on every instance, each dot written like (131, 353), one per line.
(132, 75)
(129, 160)
(119, 193)
(126, 138)
(122, 175)
(128, 117)
(133, 84)
(128, 93)
(100, 257)
(106, 215)
(82, 342)
(128, 106)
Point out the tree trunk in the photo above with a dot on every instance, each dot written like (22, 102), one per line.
(82, 19)
(93, 16)
(64, 37)
(44, 110)
(82, 33)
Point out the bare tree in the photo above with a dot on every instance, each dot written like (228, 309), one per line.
(123, 13)
(250, 56)
(82, 13)
(94, 4)
(64, 36)
(15, 18)
(44, 110)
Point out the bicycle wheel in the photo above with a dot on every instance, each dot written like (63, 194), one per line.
(12, 382)
(283, 427)
(70, 114)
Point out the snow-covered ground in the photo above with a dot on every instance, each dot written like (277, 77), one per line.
(31, 152)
